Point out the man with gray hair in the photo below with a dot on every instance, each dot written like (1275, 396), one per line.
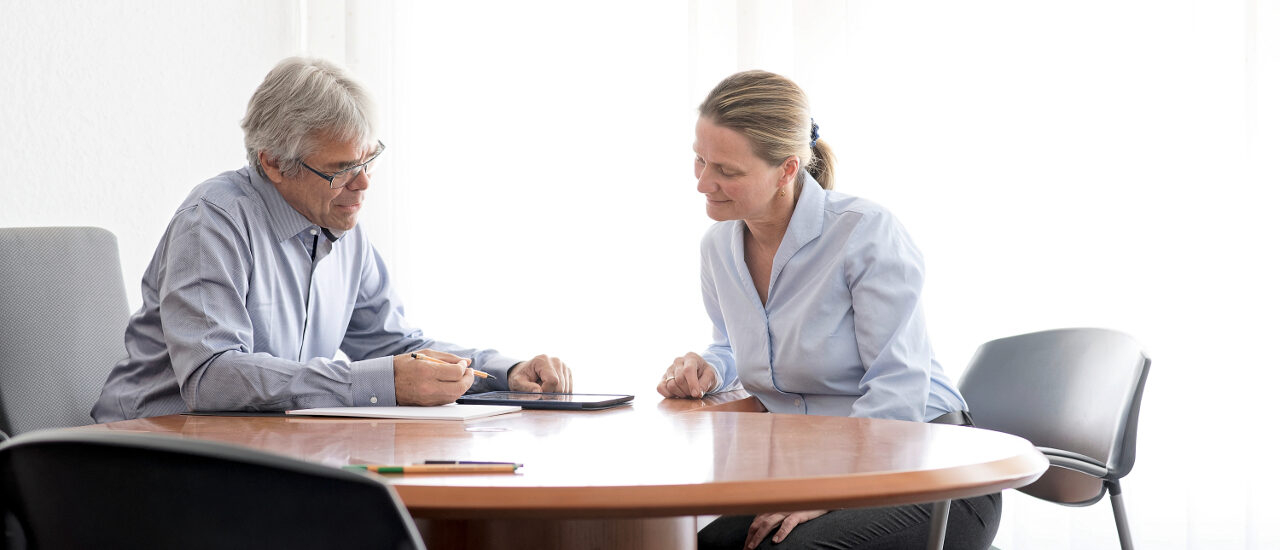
(263, 275)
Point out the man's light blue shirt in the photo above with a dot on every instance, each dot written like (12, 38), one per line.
(246, 304)
(843, 331)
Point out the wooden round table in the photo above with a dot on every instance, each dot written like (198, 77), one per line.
(633, 477)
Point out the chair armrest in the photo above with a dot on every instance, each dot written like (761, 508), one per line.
(1075, 462)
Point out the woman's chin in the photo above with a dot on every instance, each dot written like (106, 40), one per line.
(719, 213)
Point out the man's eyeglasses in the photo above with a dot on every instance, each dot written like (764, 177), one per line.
(343, 177)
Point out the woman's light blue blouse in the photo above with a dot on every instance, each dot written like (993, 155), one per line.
(843, 331)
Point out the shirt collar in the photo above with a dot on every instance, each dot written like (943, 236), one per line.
(808, 217)
(284, 220)
(805, 225)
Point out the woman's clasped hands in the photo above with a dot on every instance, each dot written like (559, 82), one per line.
(688, 376)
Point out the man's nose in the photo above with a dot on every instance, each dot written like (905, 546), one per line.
(360, 182)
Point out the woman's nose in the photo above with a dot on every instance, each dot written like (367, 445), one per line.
(705, 184)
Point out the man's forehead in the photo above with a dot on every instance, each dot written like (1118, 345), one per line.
(339, 151)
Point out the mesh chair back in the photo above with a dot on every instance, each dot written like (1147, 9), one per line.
(101, 489)
(62, 317)
(1076, 391)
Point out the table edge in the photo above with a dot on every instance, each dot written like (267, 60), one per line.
(812, 493)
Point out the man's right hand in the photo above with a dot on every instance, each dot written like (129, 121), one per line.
(425, 383)
(688, 376)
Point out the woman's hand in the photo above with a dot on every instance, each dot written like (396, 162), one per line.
(688, 376)
(785, 522)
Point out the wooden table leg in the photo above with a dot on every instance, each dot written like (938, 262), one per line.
(621, 534)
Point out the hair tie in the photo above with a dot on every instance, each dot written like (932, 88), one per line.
(813, 133)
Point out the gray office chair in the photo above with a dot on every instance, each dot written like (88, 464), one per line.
(62, 317)
(1074, 394)
(104, 489)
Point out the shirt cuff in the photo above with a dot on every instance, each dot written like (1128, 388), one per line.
(497, 366)
(373, 382)
(719, 380)
(717, 386)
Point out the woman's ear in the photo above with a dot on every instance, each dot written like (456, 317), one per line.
(790, 167)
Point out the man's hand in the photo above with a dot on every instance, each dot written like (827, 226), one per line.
(541, 374)
(425, 382)
(688, 376)
(785, 522)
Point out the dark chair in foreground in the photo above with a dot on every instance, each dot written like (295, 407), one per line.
(62, 317)
(102, 489)
(1075, 395)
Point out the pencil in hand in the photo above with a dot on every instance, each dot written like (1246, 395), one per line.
(430, 359)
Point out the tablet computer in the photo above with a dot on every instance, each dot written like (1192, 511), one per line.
(535, 400)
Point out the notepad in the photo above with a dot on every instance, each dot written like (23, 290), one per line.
(452, 411)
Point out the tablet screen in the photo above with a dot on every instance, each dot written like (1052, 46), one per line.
(533, 400)
(534, 396)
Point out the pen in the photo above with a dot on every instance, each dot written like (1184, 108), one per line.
(496, 468)
(421, 357)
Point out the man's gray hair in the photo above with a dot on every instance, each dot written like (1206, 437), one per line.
(300, 101)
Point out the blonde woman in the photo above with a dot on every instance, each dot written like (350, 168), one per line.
(814, 297)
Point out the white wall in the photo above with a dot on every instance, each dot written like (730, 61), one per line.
(111, 111)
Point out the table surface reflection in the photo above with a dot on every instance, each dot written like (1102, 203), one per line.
(652, 458)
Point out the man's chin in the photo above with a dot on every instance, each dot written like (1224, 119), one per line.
(342, 224)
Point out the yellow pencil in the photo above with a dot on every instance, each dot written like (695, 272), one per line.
(430, 359)
(501, 468)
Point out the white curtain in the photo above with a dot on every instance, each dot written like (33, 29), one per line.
(1090, 163)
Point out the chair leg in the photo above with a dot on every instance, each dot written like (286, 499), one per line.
(1122, 521)
(11, 533)
(938, 524)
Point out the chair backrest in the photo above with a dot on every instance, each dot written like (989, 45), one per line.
(102, 489)
(63, 313)
(1074, 390)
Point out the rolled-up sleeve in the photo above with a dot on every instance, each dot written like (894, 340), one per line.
(885, 273)
(719, 354)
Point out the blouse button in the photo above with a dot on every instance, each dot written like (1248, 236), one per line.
(373, 399)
